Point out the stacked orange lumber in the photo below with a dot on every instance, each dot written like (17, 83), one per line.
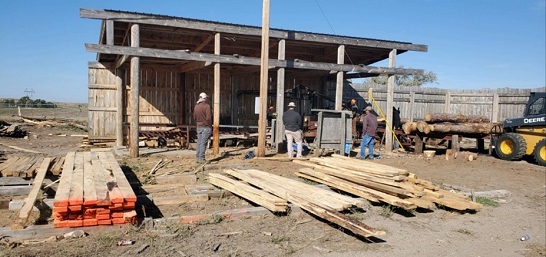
(93, 191)
(382, 183)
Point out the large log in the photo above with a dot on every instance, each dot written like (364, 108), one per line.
(409, 127)
(463, 128)
(456, 118)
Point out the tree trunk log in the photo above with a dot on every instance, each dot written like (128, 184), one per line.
(456, 118)
(465, 128)
(409, 127)
(423, 127)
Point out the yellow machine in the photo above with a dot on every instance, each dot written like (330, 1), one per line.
(524, 136)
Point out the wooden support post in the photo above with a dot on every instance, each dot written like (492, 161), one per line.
(418, 143)
(339, 78)
(455, 143)
(216, 112)
(495, 112)
(412, 106)
(135, 92)
(390, 104)
(110, 32)
(447, 102)
(264, 66)
(119, 110)
(279, 131)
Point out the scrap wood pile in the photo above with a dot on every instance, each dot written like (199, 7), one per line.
(381, 183)
(26, 166)
(450, 123)
(11, 130)
(55, 122)
(274, 192)
(93, 190)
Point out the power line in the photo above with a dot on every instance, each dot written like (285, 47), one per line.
(29, 92)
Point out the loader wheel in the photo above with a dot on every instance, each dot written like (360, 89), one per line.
(510, 146)
(540, 152)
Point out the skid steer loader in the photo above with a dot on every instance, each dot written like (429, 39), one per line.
(523, 136)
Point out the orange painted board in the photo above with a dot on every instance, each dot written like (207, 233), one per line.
(75, 223)
(110, 161)
(118, 221)
(90, 222)
(104, 222)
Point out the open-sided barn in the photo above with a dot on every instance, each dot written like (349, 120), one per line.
(155, 66)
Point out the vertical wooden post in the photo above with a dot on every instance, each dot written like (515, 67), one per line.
(447, 102)
(412, 105)
(495, 112)
(455, 143)
(216, 111)
(280, 96)
(119, 110)
(109, 32)
(339, 78)
(390, 104)
(264, 65)
(135, 92)
(419, 145)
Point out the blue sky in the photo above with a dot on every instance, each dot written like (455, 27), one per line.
(472, 44)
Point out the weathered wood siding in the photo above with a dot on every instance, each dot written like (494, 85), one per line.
(415, 102)
(101, 101)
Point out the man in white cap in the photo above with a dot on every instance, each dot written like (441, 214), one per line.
(369, 127)
(203, 118)
(292, 129)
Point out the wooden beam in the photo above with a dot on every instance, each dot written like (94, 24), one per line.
(120, 107)
(31, 199)
(280, 96)
(109, 32)
(339, 79)
(294, 64)
(216, 112)
(135, 92)
(390, 103)
(204, 43)
(247, 30)
(262, 121)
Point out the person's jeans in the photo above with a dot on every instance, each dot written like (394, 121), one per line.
(367, 141)
(290, 137)
(203, 135)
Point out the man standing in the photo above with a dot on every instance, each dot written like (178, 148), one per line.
(356, 116)
(292, 129)
(369, 127)
(203, 118)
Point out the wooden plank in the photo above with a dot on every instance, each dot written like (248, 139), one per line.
(100, 178)
(76, 188)
(63, 190)
(7, 164)
(89, 191)
(269, 201)
(57, 167)
(21, 170)
(183, 179)
(31, 199)
(29, 173)
(121, 179)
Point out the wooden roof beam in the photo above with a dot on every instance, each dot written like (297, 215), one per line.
(296, 64)
(246, 30)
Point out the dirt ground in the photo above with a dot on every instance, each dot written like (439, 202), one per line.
(496, 230)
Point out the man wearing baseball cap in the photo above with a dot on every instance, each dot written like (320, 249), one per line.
(203, 118)
(369, 127)
(292, 129)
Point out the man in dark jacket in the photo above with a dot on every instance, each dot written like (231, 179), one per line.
(203, 118)
(292, 129)
(369, 127)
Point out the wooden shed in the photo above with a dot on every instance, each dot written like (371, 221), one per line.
(155, 66)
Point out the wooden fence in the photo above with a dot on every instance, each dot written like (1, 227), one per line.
(415, 102)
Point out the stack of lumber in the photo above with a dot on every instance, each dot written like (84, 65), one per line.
(382, 183)
(11, 130)
(450, 123)
(93, 190)
(323, 203)
(26, 166)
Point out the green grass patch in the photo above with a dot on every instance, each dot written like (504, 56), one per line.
(486, 201)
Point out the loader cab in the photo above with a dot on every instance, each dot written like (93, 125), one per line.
(536, 104)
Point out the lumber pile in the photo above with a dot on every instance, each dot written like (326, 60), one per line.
(26, 166)
(11, 130)
(93, 190)
(450, 123)
(382, 183)
(323, 203)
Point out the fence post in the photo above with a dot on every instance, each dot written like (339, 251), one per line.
(411, 105)
(447, 102)
(495, 112)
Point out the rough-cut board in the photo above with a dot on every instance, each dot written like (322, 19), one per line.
(29, 201)
(93, 190)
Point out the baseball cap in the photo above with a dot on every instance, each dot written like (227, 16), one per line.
(291, 104)
(203, 95)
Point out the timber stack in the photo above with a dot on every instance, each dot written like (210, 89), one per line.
(450, 123)
(26, 166)
(382, 184)
(93, 190)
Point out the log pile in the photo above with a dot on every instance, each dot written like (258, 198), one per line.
(93, 190)
(11, 130)
(278, 190)
(26, 166)
(382, 183)
(450, 123)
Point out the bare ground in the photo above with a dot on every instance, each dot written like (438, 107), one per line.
(493, 231)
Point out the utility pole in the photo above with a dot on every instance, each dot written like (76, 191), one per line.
(264, 65)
